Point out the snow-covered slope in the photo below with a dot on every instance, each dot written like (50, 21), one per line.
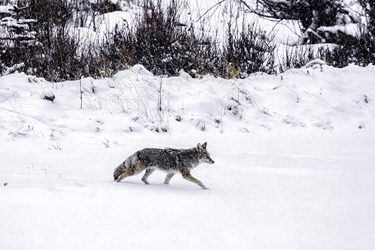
(136, 101)
(294, 166)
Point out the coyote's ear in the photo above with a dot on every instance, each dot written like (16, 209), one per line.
(204, 145)
(199, 147)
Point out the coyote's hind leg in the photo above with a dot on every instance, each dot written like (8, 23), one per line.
(148, 172)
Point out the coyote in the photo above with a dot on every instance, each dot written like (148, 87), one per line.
(170, 160)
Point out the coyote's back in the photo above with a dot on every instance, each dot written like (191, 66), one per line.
(169, 160)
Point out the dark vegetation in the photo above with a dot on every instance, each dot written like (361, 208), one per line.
(41, 37)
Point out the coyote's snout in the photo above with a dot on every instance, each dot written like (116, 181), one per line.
(169, 160)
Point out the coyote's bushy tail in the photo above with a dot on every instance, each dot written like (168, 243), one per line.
(119, 170)
(116, 174)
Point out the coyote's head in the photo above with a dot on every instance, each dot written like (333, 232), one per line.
(203, 155)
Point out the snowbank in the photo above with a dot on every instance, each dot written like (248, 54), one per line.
(293, 161)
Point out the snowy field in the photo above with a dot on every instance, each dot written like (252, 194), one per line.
(294, 164)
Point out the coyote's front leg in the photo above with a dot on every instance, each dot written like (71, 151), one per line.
(186, 174)
(168, 178)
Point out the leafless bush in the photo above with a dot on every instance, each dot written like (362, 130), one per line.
(248, 50)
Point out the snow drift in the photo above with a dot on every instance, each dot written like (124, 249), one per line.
(293, 153)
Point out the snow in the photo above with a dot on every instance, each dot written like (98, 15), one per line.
(315, 62)
(209, 16)
(294, 165)
(348, 29)
(6, 9)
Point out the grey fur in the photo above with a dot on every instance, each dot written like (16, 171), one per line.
(169, 160)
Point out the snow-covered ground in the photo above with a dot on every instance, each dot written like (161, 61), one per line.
(294, 165)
